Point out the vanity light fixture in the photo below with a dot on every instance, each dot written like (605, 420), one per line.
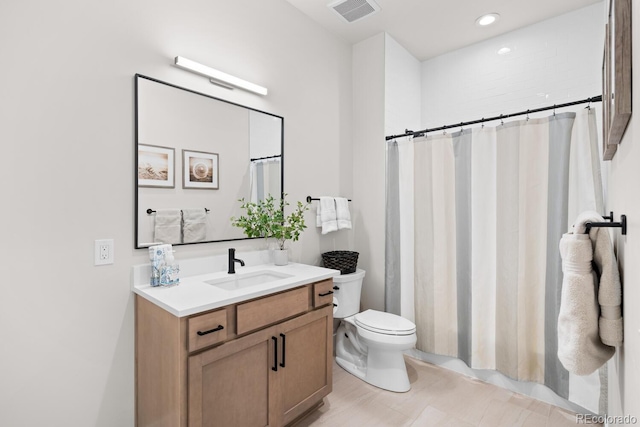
(218, 77)
(487, 19)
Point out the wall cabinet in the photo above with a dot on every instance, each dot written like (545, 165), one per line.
(264, 362)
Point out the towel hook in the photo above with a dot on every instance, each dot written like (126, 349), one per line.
(622, 224)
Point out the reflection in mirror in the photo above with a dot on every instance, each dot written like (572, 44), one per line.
(196, 156)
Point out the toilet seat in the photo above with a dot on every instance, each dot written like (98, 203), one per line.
(384, 323)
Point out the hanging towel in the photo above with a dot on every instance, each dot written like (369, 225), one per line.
(589, 322)
(194, 225)
(342, 213)
(326, 215)
(167, 226)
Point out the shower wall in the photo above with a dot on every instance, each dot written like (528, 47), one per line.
(551, 62)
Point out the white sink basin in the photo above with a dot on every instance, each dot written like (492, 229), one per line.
(247, 280)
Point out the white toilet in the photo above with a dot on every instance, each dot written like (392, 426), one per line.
(369, 345)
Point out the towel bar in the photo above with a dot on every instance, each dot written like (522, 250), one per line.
(309, 199)
(151, 211)
(622, 224)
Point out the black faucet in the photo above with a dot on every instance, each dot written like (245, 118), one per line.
(233, 260)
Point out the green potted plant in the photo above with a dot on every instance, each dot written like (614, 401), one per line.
(266, 218)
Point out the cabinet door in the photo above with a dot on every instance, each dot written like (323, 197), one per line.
(229, 384)
(306, 351)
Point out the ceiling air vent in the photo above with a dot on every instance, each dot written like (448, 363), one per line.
(353, 10)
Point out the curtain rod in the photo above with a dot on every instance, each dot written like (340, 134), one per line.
(265, 158)
(408, 132)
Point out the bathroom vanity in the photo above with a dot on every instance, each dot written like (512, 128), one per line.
(251, 349)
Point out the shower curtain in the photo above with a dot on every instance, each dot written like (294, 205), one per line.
(265, 179)
(473, 224)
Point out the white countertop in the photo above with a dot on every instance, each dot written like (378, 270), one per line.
(193, 295)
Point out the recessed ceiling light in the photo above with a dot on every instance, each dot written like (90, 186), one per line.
(504, 51)
(487, 19)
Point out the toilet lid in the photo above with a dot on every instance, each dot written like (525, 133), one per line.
(384, 323)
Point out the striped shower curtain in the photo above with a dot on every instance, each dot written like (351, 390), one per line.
(473, 224)
(265, 179)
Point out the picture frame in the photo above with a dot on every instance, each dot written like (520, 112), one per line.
(156, 166)
(200, 170)
(616, 84)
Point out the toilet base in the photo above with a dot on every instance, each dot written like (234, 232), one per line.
(390, 378)
(382, 368)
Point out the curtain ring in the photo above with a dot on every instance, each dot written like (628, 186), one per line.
(461, 128)
(527, 115)
(589, 105)
(501, 121)
(482, 123)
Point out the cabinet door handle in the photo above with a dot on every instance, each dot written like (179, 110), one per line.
(219, 328)
(284, 346)
(325, 294)
(275, 354)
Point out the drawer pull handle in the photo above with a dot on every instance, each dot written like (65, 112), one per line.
(219, 328)
(275, 354)
(284, 346)
(325, 294)
(335, 288)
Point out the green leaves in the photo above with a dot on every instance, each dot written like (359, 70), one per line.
(266, 218)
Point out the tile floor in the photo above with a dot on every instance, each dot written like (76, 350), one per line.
(438, 397)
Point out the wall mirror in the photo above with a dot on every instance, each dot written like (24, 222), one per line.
(196, 156)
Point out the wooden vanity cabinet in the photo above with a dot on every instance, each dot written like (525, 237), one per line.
(268, 365)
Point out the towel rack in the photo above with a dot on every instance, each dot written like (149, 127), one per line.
(622, 224)
(309, 199)
(151, 211)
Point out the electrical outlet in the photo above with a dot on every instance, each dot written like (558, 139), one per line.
(104, 252)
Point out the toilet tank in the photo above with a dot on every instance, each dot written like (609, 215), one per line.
(347, 296)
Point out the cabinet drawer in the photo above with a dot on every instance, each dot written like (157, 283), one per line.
(268, 310)
(207, 329)
(323, 293)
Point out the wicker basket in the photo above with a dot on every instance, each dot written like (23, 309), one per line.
(345, 261)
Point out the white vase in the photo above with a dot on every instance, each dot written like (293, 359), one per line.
(280, 256)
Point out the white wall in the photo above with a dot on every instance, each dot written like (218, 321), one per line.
(624, 370)
(368, 165)
(66, 126)
(402, 89)
(555, 61)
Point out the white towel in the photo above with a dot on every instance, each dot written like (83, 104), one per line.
(194, 225)
(326, 215)
(588, 326)
(167, 227)
(342, 213)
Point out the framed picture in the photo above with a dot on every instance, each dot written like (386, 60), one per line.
(156, 166)
(200, 170)
(616, 76)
